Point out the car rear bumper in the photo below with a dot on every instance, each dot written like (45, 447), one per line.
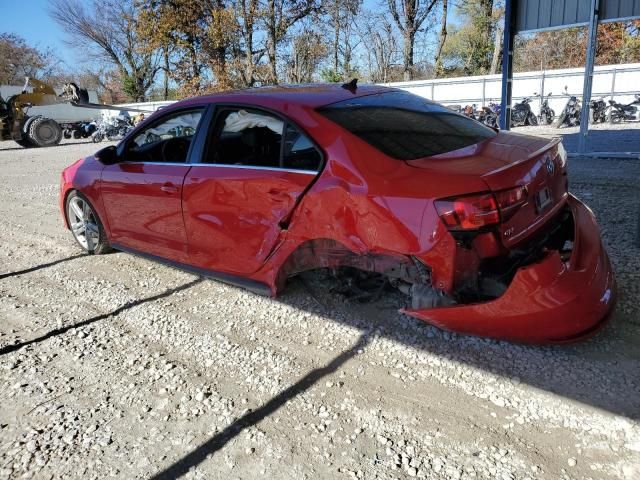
(547, 302)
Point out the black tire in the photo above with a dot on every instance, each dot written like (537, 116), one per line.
(44, 132)
(66, 134)
(100, 243)
(77, 134)
(549, 117)
(532, 120)
(25, 143)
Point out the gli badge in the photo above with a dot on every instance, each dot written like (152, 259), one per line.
(550, 166)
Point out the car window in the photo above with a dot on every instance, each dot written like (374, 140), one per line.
(299, 151)
(166, 140)
(405, 126)
(247, 137)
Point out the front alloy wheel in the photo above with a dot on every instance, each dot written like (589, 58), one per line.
(85, 225)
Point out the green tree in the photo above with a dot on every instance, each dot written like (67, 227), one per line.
(470, 46)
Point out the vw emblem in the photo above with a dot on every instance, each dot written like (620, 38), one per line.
(550, 166)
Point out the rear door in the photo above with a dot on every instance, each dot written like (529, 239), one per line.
(142, 192)
(254, 170)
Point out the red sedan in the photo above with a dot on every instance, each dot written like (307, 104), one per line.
(476, 227)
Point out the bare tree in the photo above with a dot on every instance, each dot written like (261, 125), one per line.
(409, 16)
(21, 60)
(279, 16)
(381, 53)
(248, 53)
(497, 50)
(307, 51)
(109, 29)
(441, 39)
(341, 15)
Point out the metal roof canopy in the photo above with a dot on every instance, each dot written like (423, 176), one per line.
(522, 16)
(536, 15)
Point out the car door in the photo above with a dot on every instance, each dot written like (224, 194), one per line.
(256, 167)
(142, 192)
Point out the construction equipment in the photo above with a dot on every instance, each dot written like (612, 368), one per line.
(39, 131)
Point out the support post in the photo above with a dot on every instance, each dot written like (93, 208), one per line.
(541, 91)
(588, 75)
(507, 63)
(484, 92)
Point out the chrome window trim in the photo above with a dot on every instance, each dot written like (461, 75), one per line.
(218, 165)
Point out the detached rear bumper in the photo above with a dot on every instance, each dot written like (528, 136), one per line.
(547, 302)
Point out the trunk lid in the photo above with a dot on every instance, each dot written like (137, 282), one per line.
(507, 161)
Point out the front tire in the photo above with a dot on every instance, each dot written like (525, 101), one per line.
(25, 143)
(44, 132)
(85, 225)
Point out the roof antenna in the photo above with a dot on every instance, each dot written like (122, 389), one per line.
(351, 86)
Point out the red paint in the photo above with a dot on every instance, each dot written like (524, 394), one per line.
(230, 219)
(548, 301)
(232, 215)
(143, 203)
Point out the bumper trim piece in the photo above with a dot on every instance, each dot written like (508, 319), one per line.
(547, 302)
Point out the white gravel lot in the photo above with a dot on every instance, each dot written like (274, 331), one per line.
(114, 366)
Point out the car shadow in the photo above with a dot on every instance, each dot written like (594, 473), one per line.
(39, 267)
(566, 370)
(63, 144)
(59, 331)
(253, 417)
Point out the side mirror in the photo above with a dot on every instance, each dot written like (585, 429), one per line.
(108, 155)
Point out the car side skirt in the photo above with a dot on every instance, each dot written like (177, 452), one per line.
(254, 286)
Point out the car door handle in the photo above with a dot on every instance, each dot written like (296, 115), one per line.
(169, 188)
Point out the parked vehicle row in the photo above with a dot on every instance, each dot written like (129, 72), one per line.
(522, 114)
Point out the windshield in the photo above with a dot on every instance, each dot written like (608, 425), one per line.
(405, 126)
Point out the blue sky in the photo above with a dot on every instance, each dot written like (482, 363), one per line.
(30, 20)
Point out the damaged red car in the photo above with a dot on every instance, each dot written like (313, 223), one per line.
(476, 227)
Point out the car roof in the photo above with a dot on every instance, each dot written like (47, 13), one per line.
(310, 95)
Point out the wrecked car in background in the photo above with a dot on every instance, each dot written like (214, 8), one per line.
(476, 227)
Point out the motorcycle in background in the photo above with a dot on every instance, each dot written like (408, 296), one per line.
(521, 114)
(79, 130)
(546, 112)
(491, 115)
(598, 109)
(620, 112)
(470, 111)
(113, 128)
(570, 116)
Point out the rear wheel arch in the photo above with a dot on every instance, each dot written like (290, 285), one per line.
(328, 253)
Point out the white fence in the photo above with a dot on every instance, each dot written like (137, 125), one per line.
(147, 106)
(619, 81)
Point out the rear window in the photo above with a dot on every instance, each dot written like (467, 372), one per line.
(405, 126)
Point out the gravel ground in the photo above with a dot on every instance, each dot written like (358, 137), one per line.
(603, 137)
(114, 366)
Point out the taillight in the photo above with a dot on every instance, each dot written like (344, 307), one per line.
(510, 200)
(472, 212)
(469, 212)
